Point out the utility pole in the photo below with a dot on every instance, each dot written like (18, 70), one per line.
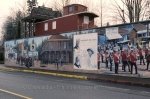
(148, 17)
(101, 14)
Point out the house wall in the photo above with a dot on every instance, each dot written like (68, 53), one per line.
(64, 24)
(76, 9)
(81, 24)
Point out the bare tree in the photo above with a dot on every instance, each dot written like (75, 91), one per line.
(131, 10)
(13, 26)
(102, 10)
(59, 4)
(147, 12)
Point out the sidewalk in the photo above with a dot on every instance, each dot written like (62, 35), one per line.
(104, 74)
(142, 72)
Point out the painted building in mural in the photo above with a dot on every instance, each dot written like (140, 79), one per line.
(134, 32)
(57, 47)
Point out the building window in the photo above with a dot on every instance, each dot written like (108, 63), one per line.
(46, 27)
(54, 25)
(71, 9)
(86, 20)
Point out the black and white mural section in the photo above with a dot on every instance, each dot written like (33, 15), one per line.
(85, 51)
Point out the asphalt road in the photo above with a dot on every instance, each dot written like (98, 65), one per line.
(37, 86)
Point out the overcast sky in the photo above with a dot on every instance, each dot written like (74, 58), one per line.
(6, 5)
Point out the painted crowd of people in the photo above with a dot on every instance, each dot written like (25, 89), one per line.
(27, 61)
(126, 57)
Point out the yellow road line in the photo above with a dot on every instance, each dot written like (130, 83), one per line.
(51, 73)
(15, 94)
(58, 74)
(6, 69)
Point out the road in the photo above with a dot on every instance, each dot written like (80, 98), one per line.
(20, 85)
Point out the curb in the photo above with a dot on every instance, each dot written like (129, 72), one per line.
(144, 82)
(137, 81)
(45, 73)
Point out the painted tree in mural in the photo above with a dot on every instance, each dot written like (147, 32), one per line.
(16, 47)
(131, 10)
(32, 41)
(34, 45)
(26, 45)
(39, 47)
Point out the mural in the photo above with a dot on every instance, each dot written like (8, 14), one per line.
(24, 51)
(80, 53)
(85, 51)
(135, 34)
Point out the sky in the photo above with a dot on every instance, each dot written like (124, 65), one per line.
(6, 7)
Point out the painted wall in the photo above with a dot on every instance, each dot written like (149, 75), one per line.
(85, 51)
(16, 51)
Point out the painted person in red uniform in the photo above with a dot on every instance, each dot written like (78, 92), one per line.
(106, 58)
(116, 61)
(133, 59)
(124, 56)
(111, 60)
(146, 52)
(140, 52)
(128, 58)
(148, 59)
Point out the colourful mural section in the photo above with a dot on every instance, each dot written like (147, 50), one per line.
(24, 51)
(137, 34)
